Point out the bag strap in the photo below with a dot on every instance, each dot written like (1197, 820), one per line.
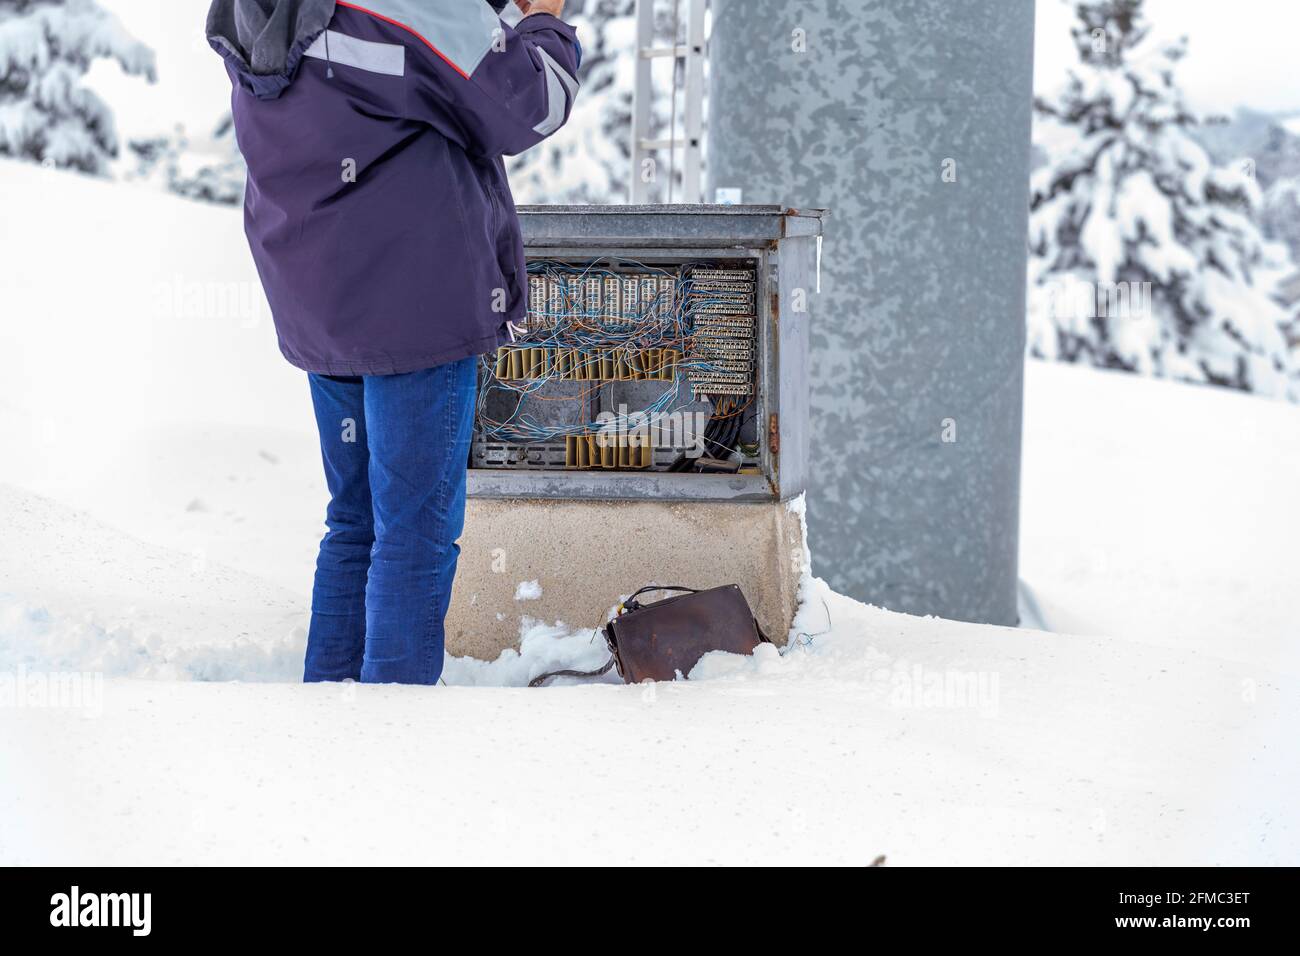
(632, 604)
(543, 678)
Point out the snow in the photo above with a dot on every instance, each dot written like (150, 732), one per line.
(1161, 512)
(814, 757)
(528, 591)
(161, 501)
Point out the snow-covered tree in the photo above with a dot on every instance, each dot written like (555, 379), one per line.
(209, 169)
(46, 47)
(1145, 254)
(1280, 216)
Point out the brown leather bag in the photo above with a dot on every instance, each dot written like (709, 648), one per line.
(658, 641)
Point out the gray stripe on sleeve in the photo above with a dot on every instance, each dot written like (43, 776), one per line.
(560, 88)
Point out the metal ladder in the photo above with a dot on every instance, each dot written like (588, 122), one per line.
(644, 170)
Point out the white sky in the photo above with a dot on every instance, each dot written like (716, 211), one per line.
(1242, 53)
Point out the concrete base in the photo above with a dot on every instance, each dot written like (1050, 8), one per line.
(587, 555)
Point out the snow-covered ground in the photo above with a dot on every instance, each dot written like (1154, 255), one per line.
(1162, 513)
(160, 504)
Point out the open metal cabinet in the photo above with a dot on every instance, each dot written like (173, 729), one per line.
(664, 357)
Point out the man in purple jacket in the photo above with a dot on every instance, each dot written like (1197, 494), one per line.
(382, 226)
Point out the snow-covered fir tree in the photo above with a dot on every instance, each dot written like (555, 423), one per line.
(1280, 215)
(1145, 254)
(1273, 151)
(46, 114)
(209, 168)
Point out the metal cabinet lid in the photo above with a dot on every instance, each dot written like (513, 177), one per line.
(667, 224)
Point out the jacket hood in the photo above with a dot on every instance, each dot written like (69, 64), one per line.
(264, 40)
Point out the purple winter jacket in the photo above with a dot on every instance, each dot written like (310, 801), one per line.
(377, 208)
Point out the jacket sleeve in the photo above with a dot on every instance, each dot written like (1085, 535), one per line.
(519, 92)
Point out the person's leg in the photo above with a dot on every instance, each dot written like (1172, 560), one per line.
(419, 432)
(336, 641)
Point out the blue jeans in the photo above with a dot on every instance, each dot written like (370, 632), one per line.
(396, 450)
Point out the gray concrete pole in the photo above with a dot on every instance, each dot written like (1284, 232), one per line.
(910, 121)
